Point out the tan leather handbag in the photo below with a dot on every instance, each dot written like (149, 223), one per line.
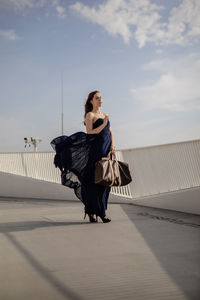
(111, 172)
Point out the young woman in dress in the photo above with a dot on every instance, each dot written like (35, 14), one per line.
(97, 123)
(76, 156)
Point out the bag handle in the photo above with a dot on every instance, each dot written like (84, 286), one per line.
(108, 156)
(117, 169)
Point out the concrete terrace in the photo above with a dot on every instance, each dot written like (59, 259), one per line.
(48, 251)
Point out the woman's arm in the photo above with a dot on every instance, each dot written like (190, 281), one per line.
(112, 147)
(89, 124)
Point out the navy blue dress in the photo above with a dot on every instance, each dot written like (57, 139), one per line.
(76, 156)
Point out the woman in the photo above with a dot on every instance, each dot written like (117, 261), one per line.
(76, 156)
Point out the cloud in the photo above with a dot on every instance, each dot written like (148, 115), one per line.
(23, 6)
(141, 20)
(9, 34)
(159, 51)
(177, 86)
(184, 23)
(116, 17)
(61, 12)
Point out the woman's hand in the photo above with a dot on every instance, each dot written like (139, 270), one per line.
(112, 149)
(106, 118)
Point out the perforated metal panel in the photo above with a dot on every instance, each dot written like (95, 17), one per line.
(164, 168)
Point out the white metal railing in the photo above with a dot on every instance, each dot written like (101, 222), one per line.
(39, 165)
(154, 169)
(164, 168)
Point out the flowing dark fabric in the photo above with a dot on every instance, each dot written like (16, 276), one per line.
(75, 157)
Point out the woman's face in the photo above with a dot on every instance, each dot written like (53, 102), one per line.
(97, 100)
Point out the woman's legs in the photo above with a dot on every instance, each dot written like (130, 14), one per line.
(95, 198)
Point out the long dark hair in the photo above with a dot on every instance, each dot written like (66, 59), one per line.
(88, 104)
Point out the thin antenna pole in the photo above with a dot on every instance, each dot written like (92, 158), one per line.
(62, 115)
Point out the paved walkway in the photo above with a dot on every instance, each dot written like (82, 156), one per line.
(47, 251)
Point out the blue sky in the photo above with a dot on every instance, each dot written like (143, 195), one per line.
(143, 56)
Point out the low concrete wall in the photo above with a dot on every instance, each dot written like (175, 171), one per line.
(23, 187)
(16, 186)
(186, 200)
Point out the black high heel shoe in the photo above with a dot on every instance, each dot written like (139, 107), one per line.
(104, 219)
(92, 219)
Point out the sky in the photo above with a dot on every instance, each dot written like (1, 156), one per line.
(142, 55)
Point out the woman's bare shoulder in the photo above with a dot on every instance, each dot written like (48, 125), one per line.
(89, 115)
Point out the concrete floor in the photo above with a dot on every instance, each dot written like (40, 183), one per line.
(48, 251)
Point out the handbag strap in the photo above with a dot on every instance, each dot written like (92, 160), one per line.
(117, 168)
(119, 175)
(113, 178)
(108, 156)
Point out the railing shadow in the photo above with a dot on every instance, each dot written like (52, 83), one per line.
(31, 225)
(44, 272)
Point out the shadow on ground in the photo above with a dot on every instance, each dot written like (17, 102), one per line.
(31, 225)
(65, 291)
(174, 239)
